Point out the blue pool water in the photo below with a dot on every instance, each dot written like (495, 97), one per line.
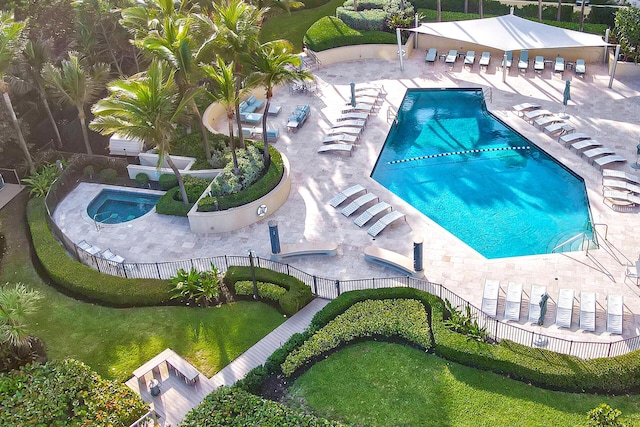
(508, 198)
(116, 206)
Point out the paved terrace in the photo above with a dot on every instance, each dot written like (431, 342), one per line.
(608, 115)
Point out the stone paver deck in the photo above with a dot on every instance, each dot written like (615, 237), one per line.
(608, 115)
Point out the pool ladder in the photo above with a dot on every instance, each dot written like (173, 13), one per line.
(392, 114)
(97, 223)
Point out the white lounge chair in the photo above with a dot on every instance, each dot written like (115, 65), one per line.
(530, 116)
(538, 63)
(490, 297)
(534, 302)
(370, 86)
(470, 58)
(383, 222)
(358, 107)
(358, 203)
(588, 311)
(586, 144)
(451, 57)
(615, 313)
(110, 256)
(559, 128)
(353, 116)
(431, 56)
(547, 120)
(485, 59)
(621, 185)
(559, 65)
(633, 271)
(368, 98)
(621, 198)
(336, 148)
(83, 244)
(612, 173)
(513, 302)
(523, 61)
(344, 123)
(581, 67)
(572, 137)
(509, 59)
(350, 130)
(525, 107)
(345, 194)
(374, 210)
(340, 137)
(564, 308)
(601, 162)
(597, 152)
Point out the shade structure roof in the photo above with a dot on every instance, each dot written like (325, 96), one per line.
(510, 32)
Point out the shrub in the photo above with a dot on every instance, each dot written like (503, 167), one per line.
(108, 175)
(89, 171)
(208, 204)
(232, 407)
(40, 182)
(168, 205)
(142, 179)
(366, 20)
(250, 167)
(167, 181)
(83, 280)
(196, 287)
(63, 393)
(298, 294)
(394, 318)
(329, 32)
(194, 187)
(265, 290)
(604, 416)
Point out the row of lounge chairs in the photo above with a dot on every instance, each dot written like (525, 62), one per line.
(564, 306)
(365, 198)
(97, 252)
(552, 124)
(452, 56)
(620, 189)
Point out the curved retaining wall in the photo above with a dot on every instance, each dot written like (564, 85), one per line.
(364, 51)
(245, 215)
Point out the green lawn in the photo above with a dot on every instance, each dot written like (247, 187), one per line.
(382, 384)
(116, 341)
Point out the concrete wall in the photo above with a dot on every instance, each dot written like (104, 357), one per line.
(151, 159)
(154, 173)
(242, 216)
(364, 51)
(216, 111)
(624, 69)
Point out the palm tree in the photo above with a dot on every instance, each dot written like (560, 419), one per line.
(438, 11)
(480, 10)
(78, 85)
(225, 91)
(11, 43)
(559, 17)
(539, 10)
(275, 64)
(15, 304)
(146, 106)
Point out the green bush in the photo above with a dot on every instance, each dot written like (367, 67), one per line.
(298, 294)
(65, 393)
(194, 187)
(142, 179)
(89, 171)
(364, 20)
(83, 280)
(208, 204)
(108, 175)
(232, 407)
(329, 32)
(265, 290)
(391, 318)
(169, 205)
(167, 181)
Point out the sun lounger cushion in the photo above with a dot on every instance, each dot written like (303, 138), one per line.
(597, 152)
(559, 65)
(383, 222)
(588, 311)
(509, 59)
(451, 56)
(347, 129)
(581, 67)
(544, 121)
(353, 116)
(538, 63)
(523, 61)
(607, 160)
(534, 302)
(524, 107)
(431, 55)
(585, 144)
(615, 311)
(358, 203)
(340, 137)
(620, 198)
(345, 194)
(251, 117)
(573, 137)
(358, 107)
(354, 123)
(490, 297)
(374, 210)
(470, 57)
(513, 302)
(564, 308)
(336, 148)
(559, 128)
(621, 175)
(532, 115)
(485, 59)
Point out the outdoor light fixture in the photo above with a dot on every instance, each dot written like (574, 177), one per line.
(253, 273)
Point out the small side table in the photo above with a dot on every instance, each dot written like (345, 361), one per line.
(274, 110)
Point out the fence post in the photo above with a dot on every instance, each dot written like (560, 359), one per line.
(570, 347)
(124, 270)
(192, 265)
(288, 269)
(158, 268)
(609, 351)
(315, 285)
(95, 261)
(338, 286)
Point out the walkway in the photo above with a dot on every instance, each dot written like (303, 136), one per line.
(178, 398)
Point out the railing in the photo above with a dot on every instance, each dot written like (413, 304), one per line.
(312, 55)
(147, 420)
(10, 176)
(392, 114)
(581, 235)
(97, 223)
(487, 92)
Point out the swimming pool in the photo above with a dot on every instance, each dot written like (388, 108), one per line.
(496, 191)
(118, 206)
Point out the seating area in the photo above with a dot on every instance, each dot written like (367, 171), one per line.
(298, 117)
(256, 133)
(248, 110)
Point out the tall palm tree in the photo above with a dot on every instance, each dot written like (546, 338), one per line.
(15, 304)
(238, 25)
(146, 106)
(559, 17)
(438, 11)
(78, 85)
(539, 10)
(480, 10)
(274, 64)
(224, 91)
(11, 42)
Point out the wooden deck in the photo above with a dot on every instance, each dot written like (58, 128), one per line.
(177, 398)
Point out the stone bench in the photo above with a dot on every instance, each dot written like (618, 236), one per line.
(308, 248)
(391, 259)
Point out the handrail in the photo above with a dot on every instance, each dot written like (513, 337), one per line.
(606, 228)
(571, 239)
(392, 113)
(490, 91)
(96, 222)
(147, 420)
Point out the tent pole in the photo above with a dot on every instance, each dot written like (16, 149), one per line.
(415, 41)
(400, 51)
(504, 67)
(606, 48)
(613, 68)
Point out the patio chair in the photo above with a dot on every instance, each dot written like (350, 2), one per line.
(370, 213)
(601, 162)
(513, 302)
(594, 153)
(350, 130)
(534, 302)
(432, 54)
(353, 116)
(358, 203)
(358, 108)
(470, 58)
(340, 137)
(559, 128)
(612, 173)
(336, 148)
(298, 117)
(384, 222)
(490, 297)
(564, 308)
(588, 311)
(620, 185)
(485, 59)
(547, 120)
(509, 59)
(110, 256)
(251, 118)
(523, 61)
(345, 194)
(621, 198)
(353, 123)
(572, 137)
(272, 134)
(559, 65)
(451, 57)
(615, 312)
(580, 68)
(586, 144)
(530, 116)
(538, 63)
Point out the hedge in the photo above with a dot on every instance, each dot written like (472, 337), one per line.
(329, 32)
(365, 20)
(83, 280)
(231, 407)
(298, 294)
(402, 318)
(265, 290)
(65, 393)
(169, 205)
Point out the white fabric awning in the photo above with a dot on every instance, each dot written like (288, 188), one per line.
(510, 32)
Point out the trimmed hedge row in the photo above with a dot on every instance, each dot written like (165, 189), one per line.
(169, 204)
(231, 407)
(329, 32)
(265, 290)
(298, 294)
(403, 318)
(83, 280)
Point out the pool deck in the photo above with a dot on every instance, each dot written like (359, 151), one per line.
(608, 115)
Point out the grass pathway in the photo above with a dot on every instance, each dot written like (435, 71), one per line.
(115, 341)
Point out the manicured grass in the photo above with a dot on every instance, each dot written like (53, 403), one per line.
(382, 384)
(114, 342)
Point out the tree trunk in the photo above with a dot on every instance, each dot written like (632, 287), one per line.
(466, 6)
(16, 125)
(45, 104)
(232, 145)
(265, 138)
(559, 17)
(439, 11)
(175, 170)
(238, 120)
(539, 10)
(480, 9)
(203, 130)
(85, 132)
(582, 15)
